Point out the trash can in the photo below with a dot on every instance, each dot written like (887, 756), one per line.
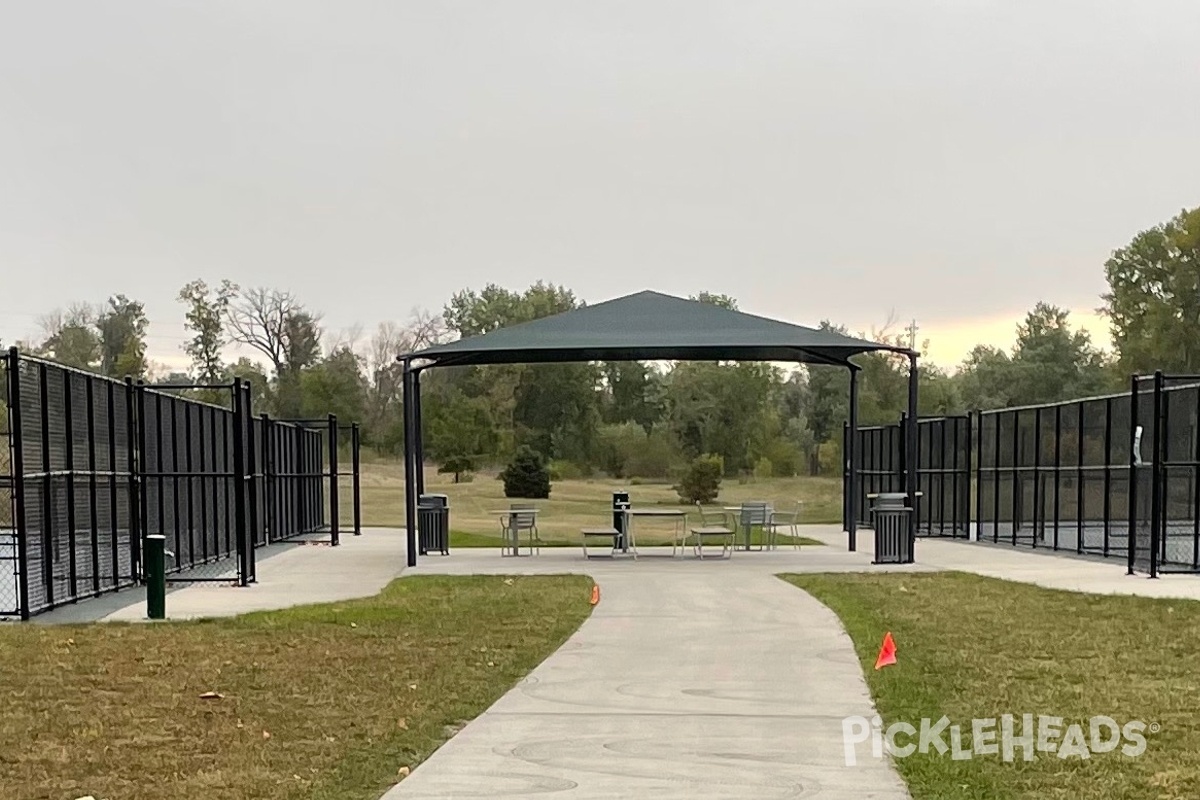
(433, 524)
(620, 504)
(889, 518)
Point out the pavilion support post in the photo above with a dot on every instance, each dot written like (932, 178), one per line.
(418, 434)
(910, 455)
(410, 483)
(851, 457)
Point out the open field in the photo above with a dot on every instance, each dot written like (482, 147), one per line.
(971, 647)
(575, 504)
(325, 702)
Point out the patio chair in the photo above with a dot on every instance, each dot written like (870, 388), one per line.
(712, 526)
(754, 513)
(783, 519)
(513, 523)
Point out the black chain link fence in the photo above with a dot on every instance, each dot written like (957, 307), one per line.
(943, 473)
(1076, 476)
(90, 465)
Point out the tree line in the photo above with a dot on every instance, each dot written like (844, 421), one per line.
(629, 419)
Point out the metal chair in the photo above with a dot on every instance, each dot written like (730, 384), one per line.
(754, 513)
(783, 519)
(511, 525)
(711, 525)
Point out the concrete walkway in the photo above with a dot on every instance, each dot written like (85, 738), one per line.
(288, 575)
(691, 679)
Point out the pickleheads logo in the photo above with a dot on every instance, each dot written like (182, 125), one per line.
(1002, 737)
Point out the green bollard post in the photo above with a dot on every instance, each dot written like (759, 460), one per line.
(156, 576)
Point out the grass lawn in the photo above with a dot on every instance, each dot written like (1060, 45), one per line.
(576, 504)
(323, 702)
(972, 647)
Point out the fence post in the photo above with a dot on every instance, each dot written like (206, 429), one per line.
(1134, 460)
(334, 510)
(355, 465)
(48, 549)
(156, 576)
(251, 482)
(1156, 477)
(135, 440)
(239, 486)
(16, 442)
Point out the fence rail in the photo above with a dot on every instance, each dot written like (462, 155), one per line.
(1114, 477)
(91, 465)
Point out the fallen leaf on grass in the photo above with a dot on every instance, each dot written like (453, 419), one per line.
(212, 696)
(402, 724)
(412, 686)
(353, 624)
(266, 734)
(403, 772)
(508, 581)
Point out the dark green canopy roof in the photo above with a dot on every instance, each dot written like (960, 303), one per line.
(649, 326)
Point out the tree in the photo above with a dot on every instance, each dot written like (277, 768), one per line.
(205, 319)
(1052, 362)
(1153, 302)
(527, 475)
(701, 483)
(986, 379)
(121, 328)
(261, 399)
(634, 394)
(722, 300)
(336, 386)
(71, 337)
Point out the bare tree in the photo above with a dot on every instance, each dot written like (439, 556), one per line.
(271, 321)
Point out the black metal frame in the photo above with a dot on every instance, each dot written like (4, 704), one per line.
(414, 448)
(96, 464)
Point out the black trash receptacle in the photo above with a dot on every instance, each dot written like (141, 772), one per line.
(433, 524)
(889, 518)
(620, 504)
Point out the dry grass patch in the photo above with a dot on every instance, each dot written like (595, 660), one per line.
(576, 504)
(971, 647)
(326, 701)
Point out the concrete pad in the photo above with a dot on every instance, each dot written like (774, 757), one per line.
(1045, 568)
(710, 679)
(291, 575)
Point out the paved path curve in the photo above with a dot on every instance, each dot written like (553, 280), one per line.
(689, 680)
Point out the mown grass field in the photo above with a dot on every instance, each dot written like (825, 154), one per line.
(971, 647)
(326, 702)
(575, 504)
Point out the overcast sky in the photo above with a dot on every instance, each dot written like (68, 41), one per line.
(949, 160)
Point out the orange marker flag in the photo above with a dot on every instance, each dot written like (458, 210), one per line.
(595, 594)
(887, 653)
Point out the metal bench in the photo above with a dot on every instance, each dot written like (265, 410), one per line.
(589, 534)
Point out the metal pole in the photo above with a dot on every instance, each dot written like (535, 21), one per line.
(1156, 475)
(1057, 468)
(418, 432)
(1080, 498)
(852, 459)
(1131, 540)
(135, 437)
(357, 485)
(93, 489)
(49, 556)
(17, 443)
(252, 488)
(334, 509)
(1039, 517)
(410, 488)
(239, 487)
(910, 487)
(1107, 504)
(69, 451)
(156, 576)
